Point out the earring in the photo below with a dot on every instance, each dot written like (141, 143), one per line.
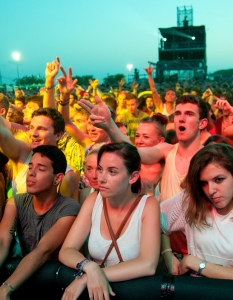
(55, 182)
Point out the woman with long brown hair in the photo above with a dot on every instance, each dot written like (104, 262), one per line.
(204, 212)
(123, 226)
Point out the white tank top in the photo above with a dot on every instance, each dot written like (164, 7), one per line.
(164, 112)
(128, 243)
(171, 179)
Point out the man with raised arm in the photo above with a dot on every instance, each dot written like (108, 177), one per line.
(46, 127)
(166, 108)
(42, 217)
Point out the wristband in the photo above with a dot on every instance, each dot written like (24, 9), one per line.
(47, 88)
(166, 250)
(63, 103)
(8, 284)
(79, 267)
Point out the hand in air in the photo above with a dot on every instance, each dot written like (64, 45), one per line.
(121, 82)
(94, 83)
(52, 68)
(134, 85)
(66, 83)
(222, 104)
(99, 113)
(149, 70)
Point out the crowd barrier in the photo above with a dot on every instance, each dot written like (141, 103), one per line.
(50, 281)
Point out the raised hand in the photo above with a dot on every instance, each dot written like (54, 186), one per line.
(66, 83)
(222, 104)
(95, 83)
(52, 69)
(121, 82)
(134, 85)
(149, 70)
(100, 114)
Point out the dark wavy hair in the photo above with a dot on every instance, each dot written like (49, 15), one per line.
(57, 157)
(203, 110)
(196, 203)
(130, 156)
(54, 115)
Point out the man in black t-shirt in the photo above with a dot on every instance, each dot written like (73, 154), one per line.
(41, 217)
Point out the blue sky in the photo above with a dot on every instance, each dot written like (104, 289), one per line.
(101, 37)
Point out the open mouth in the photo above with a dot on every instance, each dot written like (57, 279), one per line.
(182, 128)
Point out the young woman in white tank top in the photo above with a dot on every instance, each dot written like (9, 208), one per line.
(139, 240)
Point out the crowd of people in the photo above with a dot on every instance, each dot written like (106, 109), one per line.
(92, 178)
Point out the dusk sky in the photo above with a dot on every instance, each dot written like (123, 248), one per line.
(101, 37)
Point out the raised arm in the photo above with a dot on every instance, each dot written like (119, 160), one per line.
(95, 90)
(10, 146)
(100, 116)
(156, 98)
(51, 71)
(121, 84)
(152, 155)
(223, 104)
(66, 86)
(134, 88)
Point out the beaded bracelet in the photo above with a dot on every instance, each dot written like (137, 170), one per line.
(79, 267)
(8, 284)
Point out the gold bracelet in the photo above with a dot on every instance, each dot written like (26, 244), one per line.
(166, 250)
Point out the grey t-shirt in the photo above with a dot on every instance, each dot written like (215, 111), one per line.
(31, 227)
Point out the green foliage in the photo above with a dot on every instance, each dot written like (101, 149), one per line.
(84, 80)
(224, 73)
(29, 80)
(113, 79)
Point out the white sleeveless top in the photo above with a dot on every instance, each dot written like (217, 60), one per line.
(171, 179)
(128, 243)
(164, 112)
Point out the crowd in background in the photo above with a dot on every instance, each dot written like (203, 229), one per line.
(168, 123)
